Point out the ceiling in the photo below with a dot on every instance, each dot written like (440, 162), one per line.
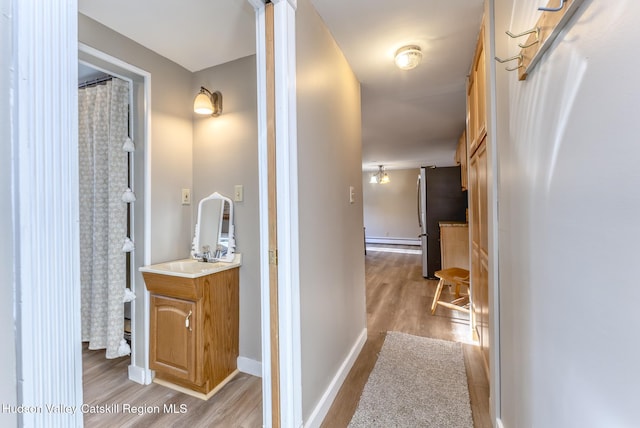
(409, 118)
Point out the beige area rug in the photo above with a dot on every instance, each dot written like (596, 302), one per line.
(416, 382)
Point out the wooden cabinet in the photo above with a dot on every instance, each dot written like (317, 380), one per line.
(454, 245)
(480, 247)
(478, 198)
(194, 330)
(476, 98)
(461, 159)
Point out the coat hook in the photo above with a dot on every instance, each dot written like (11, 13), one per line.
(514, 68)
(553, 9)
(537, 40)
(524, 33)
(513, 58)
(529, 45)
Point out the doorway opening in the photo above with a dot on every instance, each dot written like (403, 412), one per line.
(92, 65)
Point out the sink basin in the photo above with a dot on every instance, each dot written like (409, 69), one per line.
(190, 268)
(187, 266)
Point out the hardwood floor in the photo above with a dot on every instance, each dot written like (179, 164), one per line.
(399, 299)
(107, 388)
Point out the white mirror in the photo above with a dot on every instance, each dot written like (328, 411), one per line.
(214, 239)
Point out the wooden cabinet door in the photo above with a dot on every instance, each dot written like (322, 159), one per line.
(480, 250)
(472, 112)
(461, 159)
(173, 347)
(481, 97)
(476, 98)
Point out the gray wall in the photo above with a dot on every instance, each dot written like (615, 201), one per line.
(8, 393)
(329, 161)
(390, 210)
(568, 233)
(225, 153)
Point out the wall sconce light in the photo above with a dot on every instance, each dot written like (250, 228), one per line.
(207, 102)
(408, 57)
(380, 177)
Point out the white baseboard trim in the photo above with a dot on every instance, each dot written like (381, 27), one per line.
(320, 411)
(499, 423)
(245, 365)
(140, 375)
(391, 241)
(249, 366)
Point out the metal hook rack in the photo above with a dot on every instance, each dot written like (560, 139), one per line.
(542, 35)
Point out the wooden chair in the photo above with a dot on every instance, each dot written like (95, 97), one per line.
(459, 278)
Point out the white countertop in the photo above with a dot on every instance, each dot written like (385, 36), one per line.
(191, 268)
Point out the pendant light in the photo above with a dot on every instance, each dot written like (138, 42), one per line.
(380, 177)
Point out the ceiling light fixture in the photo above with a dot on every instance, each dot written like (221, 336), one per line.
(380, 177)
(207, 102)
(408, 57)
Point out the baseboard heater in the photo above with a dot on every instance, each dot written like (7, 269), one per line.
(391, 241)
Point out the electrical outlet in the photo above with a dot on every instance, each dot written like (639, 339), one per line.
(186, 196)
(238, 193)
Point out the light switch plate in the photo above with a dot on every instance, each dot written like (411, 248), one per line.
(238, 193)
(186, 196)
(352, 195)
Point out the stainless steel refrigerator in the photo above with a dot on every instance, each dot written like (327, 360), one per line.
(440, 198)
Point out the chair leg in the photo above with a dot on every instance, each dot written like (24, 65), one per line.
(434, 305)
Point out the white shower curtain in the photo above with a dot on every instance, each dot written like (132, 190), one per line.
(103, 128)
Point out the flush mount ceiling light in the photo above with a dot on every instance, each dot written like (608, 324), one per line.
(380, 177)
(207, 102)
(408, 57)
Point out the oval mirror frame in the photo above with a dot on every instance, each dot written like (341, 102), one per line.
(214, 239)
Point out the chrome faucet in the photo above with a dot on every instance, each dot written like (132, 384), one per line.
(205, 256)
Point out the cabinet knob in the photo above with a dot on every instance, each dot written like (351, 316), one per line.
(187, 321)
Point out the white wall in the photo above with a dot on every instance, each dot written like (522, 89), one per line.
(568, 222)
(8, 393)
(225, 153)
(390, 210)
(331, 236)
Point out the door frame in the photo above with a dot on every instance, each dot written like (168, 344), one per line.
(61, 266)
(280, 302)
(290, 347)
(495, 405)
(138, 370)
(45, 209)
(263, 192)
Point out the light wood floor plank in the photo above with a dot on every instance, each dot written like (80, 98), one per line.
(238, 404)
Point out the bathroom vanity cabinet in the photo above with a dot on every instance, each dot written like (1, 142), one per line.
(194, 329)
